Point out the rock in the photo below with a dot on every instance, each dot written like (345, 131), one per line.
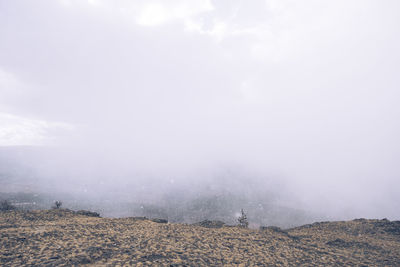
(389, 227)
(138, 218)
(360, 220)
(159, 220)
(80, 259)
(274, 229)
(88, 213)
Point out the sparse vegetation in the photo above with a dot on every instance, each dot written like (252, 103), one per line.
(243, 222)
(6, 205)
(28, 239)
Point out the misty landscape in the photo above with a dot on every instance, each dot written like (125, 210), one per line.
(267, 131)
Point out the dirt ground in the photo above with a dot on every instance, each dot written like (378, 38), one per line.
(65, 238)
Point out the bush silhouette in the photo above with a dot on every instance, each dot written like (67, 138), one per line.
(243, 222)
(57, 204)
(5, 205)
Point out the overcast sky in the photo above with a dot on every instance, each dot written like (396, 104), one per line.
(307, 91)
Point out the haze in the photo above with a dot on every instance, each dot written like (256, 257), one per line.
(295, 101)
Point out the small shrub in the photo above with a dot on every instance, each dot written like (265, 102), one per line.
(6, 205)
(243, 222)
(57, 204)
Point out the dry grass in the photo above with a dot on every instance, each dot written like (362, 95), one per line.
(61, 238)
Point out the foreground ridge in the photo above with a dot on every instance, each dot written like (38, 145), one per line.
(63, 238)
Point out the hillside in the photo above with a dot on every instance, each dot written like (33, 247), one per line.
(64, 237)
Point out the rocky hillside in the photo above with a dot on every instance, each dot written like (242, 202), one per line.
(64, 237)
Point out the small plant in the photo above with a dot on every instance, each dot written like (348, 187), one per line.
(57, 204)
(5, 205)
(243, 222)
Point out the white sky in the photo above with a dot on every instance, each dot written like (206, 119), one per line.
(306, 89)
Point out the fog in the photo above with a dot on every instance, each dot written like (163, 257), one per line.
(284, 103)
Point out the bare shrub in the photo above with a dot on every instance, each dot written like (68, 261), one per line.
(57, 204)
(6, 205)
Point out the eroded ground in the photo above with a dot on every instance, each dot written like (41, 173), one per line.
(64, 238)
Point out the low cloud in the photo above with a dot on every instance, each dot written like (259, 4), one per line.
(20, 131)
(299, 94)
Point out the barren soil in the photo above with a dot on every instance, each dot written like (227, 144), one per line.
(64, 238)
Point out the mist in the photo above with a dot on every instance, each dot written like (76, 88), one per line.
(291, 106)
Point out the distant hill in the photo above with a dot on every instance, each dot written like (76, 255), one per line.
(25, 180)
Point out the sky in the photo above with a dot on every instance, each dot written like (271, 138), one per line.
(303, 93)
